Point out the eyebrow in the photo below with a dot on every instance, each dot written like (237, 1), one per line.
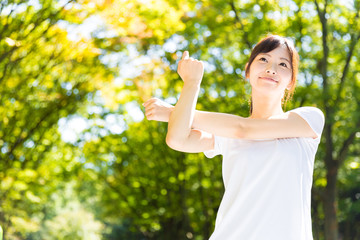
(280, 58)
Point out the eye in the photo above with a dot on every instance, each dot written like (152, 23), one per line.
(263, 59)
(283, 64)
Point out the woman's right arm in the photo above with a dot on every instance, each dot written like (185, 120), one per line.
(180, 135)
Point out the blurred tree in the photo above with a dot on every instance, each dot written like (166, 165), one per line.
(71, 221)
(326, 35)
(44, 77)
(125, 174)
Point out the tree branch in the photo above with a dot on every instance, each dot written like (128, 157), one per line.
(308, 84)
(237, 19)
(349, 140)
(52, 107)
(329, 159)
(354, 41)
(320, 13)
(346, 144)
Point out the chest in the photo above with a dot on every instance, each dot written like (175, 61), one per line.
(265, 159)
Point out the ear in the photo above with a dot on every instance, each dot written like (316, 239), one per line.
(247, 75)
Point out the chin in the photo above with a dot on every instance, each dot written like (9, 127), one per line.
(268, 90)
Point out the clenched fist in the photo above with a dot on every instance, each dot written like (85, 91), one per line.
(190, 70)
(158, 110)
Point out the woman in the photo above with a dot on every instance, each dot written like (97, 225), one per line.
(268, 158)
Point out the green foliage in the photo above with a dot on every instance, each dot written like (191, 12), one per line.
(73, 222)
(44, 77)
(155, 187)
(117, 179)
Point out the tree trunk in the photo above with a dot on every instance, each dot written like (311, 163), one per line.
(330, 204)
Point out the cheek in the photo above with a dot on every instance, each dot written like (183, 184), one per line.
(255, 68)
(287, 81)
(285, 74)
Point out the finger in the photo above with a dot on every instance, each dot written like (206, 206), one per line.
(149, 116)
(151, 100)
(185, 55)
(192, 59)
(145, 104)
(149, 108)
(150, 104)
(149, 112)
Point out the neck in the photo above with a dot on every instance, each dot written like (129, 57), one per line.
(264, 107)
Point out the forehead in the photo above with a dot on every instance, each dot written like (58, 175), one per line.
(280, 52)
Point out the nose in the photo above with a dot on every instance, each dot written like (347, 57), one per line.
(270, 71)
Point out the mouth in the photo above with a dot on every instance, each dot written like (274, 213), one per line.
(269, 79)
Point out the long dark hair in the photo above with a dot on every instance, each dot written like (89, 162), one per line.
(268, 44)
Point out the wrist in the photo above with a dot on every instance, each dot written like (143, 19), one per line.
(191, 85)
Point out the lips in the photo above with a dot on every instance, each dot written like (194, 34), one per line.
(269, 79)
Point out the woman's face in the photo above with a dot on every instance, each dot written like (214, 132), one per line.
(271, 72)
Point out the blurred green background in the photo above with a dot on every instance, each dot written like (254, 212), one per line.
(79, 161)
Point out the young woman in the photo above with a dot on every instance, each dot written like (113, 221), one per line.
(268, 158)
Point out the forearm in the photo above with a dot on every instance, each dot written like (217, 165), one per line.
(181, 117)
(220, 124)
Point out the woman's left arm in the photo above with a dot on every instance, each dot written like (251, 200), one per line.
(288, 125)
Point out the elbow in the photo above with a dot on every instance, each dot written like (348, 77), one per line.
(170, 141)
(173, 142)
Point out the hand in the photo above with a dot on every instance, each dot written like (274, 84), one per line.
(190, 70)
(158, 110)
